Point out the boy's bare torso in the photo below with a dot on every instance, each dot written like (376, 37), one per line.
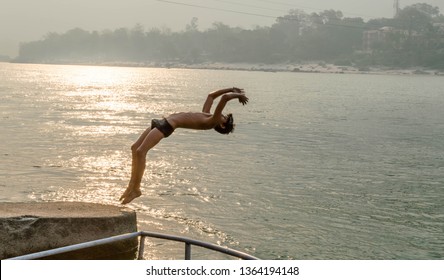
(192, 120)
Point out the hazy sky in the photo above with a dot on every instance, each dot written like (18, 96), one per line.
(27, 20)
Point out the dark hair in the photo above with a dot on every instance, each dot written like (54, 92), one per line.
(228, 126)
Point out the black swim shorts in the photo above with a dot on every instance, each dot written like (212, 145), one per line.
(163, 126)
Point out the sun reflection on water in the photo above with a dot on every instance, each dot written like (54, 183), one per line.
(95, 76)
(89, 116)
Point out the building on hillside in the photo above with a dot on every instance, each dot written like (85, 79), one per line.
(371, 38)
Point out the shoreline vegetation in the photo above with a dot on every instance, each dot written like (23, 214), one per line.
(412, 42)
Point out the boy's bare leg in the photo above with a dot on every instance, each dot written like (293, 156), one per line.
(151, 139)
(134, 148)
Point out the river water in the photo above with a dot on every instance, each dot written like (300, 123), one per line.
(320, 166)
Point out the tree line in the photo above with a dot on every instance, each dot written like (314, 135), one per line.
(417, 39)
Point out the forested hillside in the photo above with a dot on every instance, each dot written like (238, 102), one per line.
(414, 38)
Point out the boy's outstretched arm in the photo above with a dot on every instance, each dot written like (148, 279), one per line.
(215, 94)
(224, 100)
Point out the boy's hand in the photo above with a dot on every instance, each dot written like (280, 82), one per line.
(243, 99)
(237, 90)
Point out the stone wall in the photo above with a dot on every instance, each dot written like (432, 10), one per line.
(37, 226)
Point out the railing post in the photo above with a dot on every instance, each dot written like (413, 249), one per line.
(141, 247)
(187, 251)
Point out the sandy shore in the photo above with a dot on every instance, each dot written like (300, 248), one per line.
(286, 67)
(312, 68)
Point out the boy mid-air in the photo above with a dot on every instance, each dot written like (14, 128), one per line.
(161, 128)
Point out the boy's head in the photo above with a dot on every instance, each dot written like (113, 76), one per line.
(226, 127)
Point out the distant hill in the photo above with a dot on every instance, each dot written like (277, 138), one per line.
(414, 38)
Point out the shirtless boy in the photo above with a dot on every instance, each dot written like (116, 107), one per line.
(165, 127)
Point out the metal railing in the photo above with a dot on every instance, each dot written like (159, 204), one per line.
(143, 235)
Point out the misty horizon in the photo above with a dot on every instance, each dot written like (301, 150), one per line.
(413, 38)
(24, 21)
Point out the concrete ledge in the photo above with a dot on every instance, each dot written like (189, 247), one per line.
(37, 226)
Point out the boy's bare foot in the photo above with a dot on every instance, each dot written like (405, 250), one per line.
(128, 197)
(129, 189)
